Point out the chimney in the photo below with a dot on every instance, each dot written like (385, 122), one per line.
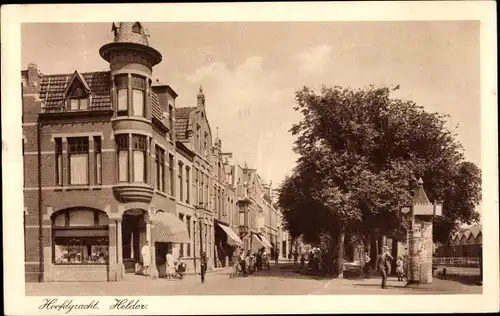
(165, 94)
(33, 77)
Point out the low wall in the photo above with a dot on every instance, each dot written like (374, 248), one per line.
(80, 273)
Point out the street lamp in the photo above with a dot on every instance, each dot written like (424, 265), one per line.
(200, 214)
(419, 216)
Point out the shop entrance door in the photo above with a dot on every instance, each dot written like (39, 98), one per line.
(133, 238)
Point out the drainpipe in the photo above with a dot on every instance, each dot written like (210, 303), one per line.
(40, 200)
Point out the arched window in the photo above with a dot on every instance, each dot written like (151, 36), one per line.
(80, 236)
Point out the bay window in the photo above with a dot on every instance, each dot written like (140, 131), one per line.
(139, 149)
(122, 144)
(121, 82)
(78, 154)
(97, 160)
(80, 236)
(138, 95)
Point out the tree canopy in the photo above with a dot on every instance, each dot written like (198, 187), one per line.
(361, 152)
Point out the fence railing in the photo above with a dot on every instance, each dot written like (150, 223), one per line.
(457, 261)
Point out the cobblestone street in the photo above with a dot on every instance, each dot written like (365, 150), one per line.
(279, 280)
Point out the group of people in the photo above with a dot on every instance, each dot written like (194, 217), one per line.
(173, 268)
(247, 263)
(314, 261)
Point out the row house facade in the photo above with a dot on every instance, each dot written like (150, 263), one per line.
(111, 164)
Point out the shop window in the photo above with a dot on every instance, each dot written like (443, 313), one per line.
(181, 249)
(139, 157)
(123, 156)
(78, 154)
(188, 225)
(80, 236)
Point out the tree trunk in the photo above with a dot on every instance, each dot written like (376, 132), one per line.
(340, 253)
(394, 253)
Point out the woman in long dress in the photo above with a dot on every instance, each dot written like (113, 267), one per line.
(170, 265)
(146, 258)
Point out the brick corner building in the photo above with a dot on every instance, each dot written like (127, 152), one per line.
(110, 162)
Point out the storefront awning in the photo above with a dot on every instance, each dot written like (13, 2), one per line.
(232, 237)
(168, 228)
(257, 243)
(265, 241)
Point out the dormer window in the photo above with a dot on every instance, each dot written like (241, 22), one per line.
(77, 93)
(136, 28)
(78, 104)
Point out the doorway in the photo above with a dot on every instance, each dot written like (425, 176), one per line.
(133, 238)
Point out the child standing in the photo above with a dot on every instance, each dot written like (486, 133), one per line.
(400, 268)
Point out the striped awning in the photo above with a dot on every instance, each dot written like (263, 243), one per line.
(232, 237)
(257, 243)
(168, 228)
(265, 241)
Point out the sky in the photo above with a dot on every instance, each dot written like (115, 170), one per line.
(250, 71)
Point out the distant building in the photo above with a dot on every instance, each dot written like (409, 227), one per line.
(465, 243)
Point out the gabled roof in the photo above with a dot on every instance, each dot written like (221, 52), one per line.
(466, 233)
(181, 122)
(53, 90)
(420, 197)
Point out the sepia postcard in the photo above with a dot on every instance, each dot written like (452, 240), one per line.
(249, 158)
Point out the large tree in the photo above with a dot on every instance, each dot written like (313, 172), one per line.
(361, 152)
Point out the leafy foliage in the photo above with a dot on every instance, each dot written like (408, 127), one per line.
(361, 152)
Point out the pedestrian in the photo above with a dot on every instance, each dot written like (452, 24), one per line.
(236, 264)
(277, 256)
(302, 261)
(169, 262)
(243, 263)
(203, 266)
(399, 268)
(383, 260)
(295, 257)
(146, 259)
(366, 265)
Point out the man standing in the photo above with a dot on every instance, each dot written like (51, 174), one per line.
(366, 265)
(146, 258)
(203, 266)
(276, 258)
(382, 262)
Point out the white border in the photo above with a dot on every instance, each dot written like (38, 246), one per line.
(12, 16)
